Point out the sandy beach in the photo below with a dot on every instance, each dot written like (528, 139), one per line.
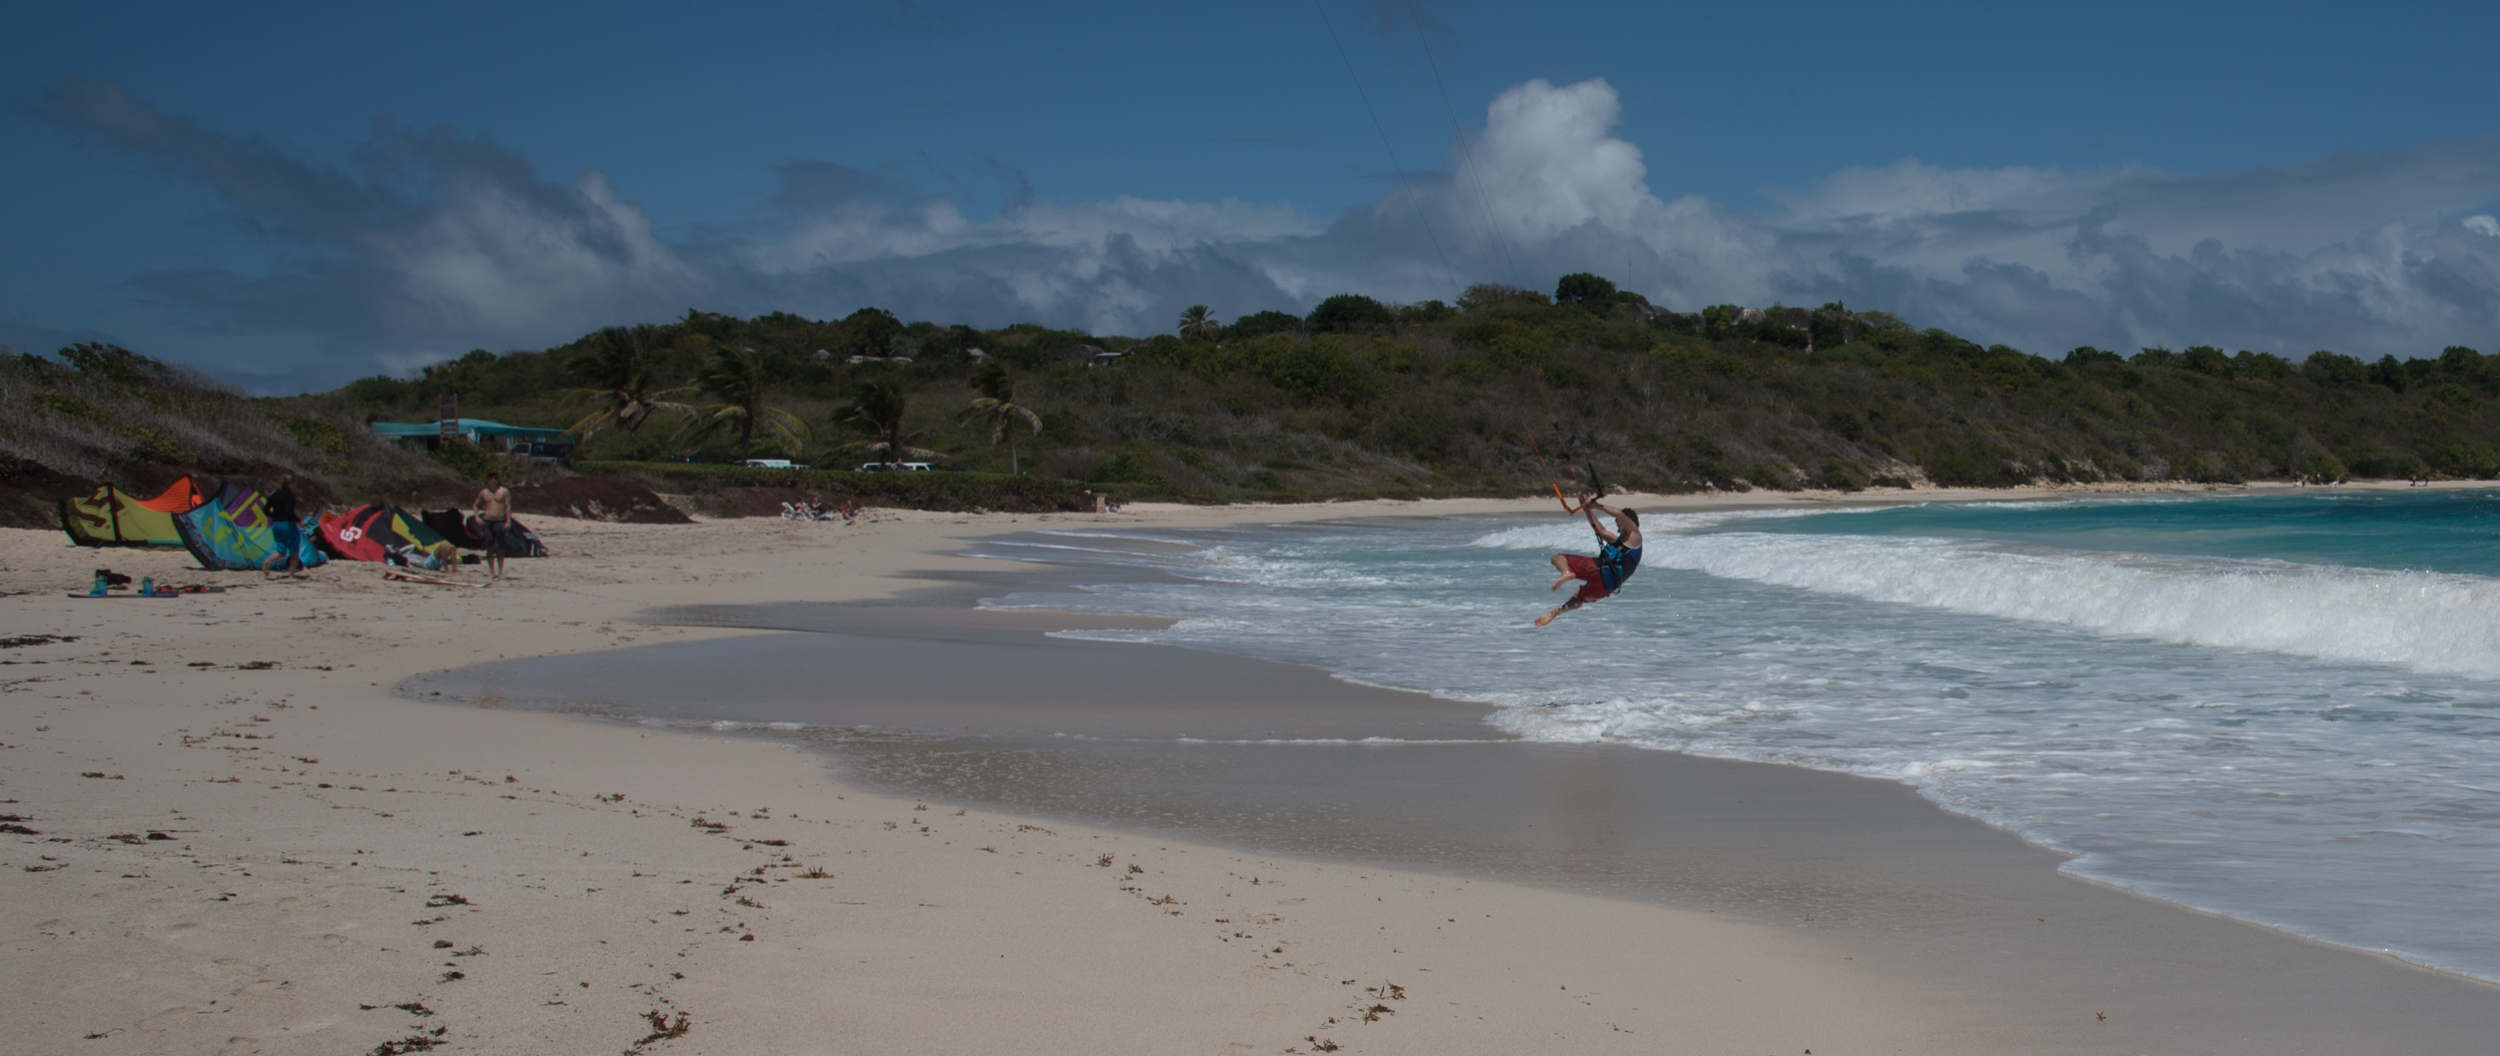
(229, 834)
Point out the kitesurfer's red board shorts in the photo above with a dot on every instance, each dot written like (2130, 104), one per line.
(1592, 582)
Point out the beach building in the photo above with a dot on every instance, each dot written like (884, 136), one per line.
(548, 445)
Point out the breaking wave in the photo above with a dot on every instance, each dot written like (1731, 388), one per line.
(2431, 622)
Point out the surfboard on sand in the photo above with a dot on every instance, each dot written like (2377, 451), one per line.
(408, 576)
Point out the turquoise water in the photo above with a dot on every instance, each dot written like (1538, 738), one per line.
(2282, 709)
(2438, 531)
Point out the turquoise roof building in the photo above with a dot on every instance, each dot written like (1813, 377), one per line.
(475, 429)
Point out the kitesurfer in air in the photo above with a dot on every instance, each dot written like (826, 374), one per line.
(1618, 556)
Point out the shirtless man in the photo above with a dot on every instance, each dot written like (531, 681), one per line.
(1618, 556)
(494, 514)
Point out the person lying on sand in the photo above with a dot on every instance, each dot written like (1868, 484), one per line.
(1618, 556)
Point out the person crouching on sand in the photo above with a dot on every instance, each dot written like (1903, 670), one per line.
(1618, 556)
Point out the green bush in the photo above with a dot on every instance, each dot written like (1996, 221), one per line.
(1317, 371)
(1971, 467)
(1349, 312)
(1127, 468)
(1260, 323)
(313, 434)
(2467, 459)
(465, 460)
(154, 441)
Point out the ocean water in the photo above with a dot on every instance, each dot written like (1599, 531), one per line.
(2282, 709)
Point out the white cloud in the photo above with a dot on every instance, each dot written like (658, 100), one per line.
(437, 243)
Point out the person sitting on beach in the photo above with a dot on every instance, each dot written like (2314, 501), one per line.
(1618, 556)
(494, 516)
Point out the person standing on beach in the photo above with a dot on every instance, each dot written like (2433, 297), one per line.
(287, 532)
(494, 516)
(1618, 556)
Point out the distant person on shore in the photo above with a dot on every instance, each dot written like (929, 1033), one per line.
(284, 529)
(1618, 556)
(494, 517)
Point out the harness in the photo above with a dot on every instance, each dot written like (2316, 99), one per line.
(1616, 563)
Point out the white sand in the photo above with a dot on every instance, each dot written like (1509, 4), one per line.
(319, 829)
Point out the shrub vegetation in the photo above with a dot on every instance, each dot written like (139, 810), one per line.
(1361, 398)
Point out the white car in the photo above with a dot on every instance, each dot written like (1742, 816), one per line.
(771, 463)
(906, 467)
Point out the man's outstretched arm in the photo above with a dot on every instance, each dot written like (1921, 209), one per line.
(1589, 510)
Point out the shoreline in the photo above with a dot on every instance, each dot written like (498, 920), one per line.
(317, 830)
(1835, 902)
(176, 735)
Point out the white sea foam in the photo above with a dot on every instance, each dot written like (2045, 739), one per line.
(1574, 535)
(2308, 746)
(2423, 621)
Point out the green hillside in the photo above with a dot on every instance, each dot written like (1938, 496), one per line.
(1356, 399)
(1361, 398)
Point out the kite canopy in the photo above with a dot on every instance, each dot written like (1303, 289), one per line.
(378, 532)
(181, 497)
(113, 517)
(231, 532)
(519, 541)
(467, 534)
(413, 529)
(450, 525)
(360, 534)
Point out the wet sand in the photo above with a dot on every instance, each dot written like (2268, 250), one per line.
(1207, 747)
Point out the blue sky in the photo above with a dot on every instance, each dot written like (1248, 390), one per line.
(298, 194)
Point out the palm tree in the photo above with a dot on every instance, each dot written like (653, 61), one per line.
(736, 375)
(623, 389)
(997, 405)
(1198, 322)
(878, 407)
